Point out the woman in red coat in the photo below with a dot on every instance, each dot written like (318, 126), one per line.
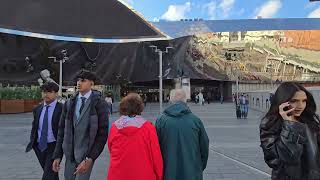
(133, 144)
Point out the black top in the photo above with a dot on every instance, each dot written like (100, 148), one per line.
(291, 150)
(107, 19)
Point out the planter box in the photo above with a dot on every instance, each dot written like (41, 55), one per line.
(30, 104)
(17, 106)
(12, 106)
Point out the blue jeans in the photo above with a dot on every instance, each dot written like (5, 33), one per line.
(244, 110)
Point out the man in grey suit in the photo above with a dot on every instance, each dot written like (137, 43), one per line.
(83, 130)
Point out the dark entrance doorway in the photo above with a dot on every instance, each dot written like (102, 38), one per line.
(149, 89)
(211, 89)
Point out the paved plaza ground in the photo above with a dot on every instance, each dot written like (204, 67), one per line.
(234, 145)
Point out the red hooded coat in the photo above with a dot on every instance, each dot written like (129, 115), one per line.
(134, 151)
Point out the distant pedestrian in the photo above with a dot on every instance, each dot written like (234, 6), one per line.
(201, 98)
(145, 99)
(236, 99)
(221, 99)
(197, 99)
(168, 98)
(243, 106)
(246, 105)
(109, 101)
(208, 97)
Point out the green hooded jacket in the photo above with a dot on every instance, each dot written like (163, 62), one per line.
(184, 143)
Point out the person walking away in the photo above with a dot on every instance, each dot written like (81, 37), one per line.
(201, 98)
(197, 99)
(167, 98)
(208, 97)
(133, 144)
(145, 99)
(109, 102)
(242, 105)
(183, 140)
(246, 105)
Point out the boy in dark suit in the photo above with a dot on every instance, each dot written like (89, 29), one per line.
(46, 117)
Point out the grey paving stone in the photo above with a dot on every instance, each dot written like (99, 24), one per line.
(237, 139)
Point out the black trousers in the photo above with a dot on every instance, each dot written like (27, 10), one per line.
(45, 160)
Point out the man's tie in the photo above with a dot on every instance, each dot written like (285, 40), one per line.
(43, 144)
(83, 101)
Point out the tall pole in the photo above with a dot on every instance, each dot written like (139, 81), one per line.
(160, 80)
(160, 52)
(237, 86)
(60, 79)
(61, 61)
(271, 83)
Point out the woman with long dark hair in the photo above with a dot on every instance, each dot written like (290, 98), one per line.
(289, 134)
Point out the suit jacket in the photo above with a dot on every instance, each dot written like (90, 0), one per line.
(35, 123)
(82, 139)
(98, 128)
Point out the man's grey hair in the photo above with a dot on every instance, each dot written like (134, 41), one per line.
(178, 95)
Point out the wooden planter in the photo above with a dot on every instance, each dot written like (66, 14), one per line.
(12, 106)
(17, 106)
(30, 104)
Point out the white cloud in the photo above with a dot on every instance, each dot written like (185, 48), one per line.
(240, 12)
(315, 13)
(226, 6)
(269, 9)
(309, 5)
(156, 19)
(177, 12)
(211, 9)
(223, 9)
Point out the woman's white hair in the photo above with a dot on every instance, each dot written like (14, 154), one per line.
(178, 95)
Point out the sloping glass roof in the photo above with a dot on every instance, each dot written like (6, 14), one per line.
(176, 29)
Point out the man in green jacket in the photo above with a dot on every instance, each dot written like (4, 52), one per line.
(183, 140)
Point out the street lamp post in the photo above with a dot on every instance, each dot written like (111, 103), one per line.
(271, 82)
(237, 86)
(61, 61)
(236, 71)
(160, 53)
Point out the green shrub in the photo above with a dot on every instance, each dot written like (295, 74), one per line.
(11, 93)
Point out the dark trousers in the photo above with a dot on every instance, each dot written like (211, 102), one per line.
(71, 167)
(45, 160)
(109, 108)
